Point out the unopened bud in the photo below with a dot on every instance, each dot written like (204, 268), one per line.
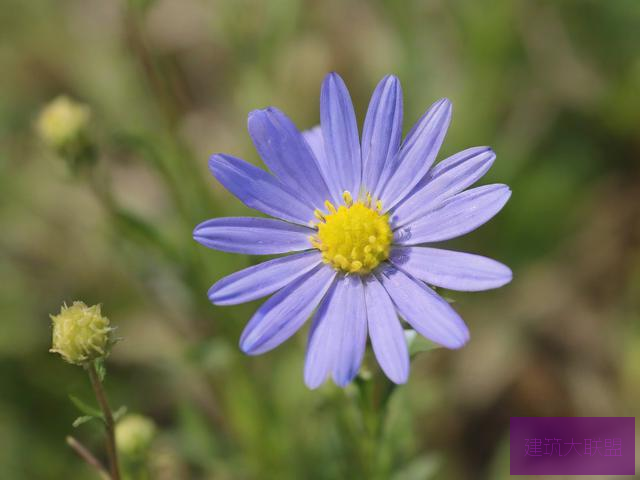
(134, 434)
(81, 334)
(63, 121)
(63, 124)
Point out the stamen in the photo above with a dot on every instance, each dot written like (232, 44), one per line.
(340, 260)
(354, 237)
(355, 266)
(329, 206)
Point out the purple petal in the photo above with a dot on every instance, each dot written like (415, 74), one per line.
(458, 215)
(340, 132)
(321, 346)
(417, 154)
(338, 336)
(259, 190)
(263, 279)
(452, 270)
(428, 313)
(386, 333)
(449, 177)
(286, 153)
(284, 313)
(255, 236)
(352, 335)
(382, 130)
(315, 140)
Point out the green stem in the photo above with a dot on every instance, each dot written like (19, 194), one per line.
(374, 394)
(109, 422)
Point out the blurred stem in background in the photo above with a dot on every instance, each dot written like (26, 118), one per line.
(179, 167)
(374, 392)
(88, 457)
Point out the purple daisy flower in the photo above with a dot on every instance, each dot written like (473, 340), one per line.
(355, 211)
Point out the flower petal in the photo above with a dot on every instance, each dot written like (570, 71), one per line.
(386, 333)
(286, 153)
(340, 132)
(452, 270)
(321, 347)
(255, 236)
(417, 154)
(263, 279)
(458, 215)
(259, 190)
(428, 313)
(449, 177)
(315, 140)
(382, 131)
(352, 335)
(339, 334)
(284, 313)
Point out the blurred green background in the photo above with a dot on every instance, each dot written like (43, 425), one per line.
(552, 86)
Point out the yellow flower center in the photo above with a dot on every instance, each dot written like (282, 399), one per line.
(355, 237)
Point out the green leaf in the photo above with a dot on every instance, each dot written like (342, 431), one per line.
(421, 468)
(119, 413)
(85, 408)
(197, 441)
(417, 343)
(100, 369)
(84, 419)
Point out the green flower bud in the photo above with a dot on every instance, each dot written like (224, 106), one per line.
(134, 434)
(62, 121)
(81, 334)
(63, 124)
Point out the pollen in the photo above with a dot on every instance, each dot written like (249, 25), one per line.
(354, 237)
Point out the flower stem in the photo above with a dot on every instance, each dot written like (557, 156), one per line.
(88, 457)
(108, 421)
(374, 395)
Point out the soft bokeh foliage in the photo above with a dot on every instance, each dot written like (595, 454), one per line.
(551, 86)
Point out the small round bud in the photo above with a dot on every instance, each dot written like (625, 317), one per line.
(81, 334)
(63, 122)
(134, 434)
